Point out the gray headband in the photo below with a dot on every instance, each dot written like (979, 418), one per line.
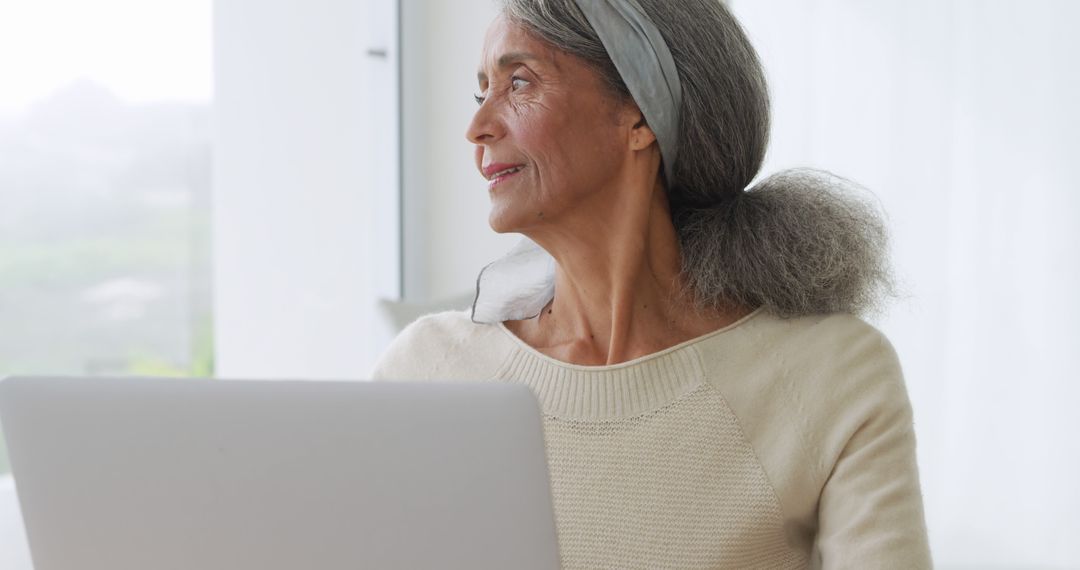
(519, 284)
(644, 62)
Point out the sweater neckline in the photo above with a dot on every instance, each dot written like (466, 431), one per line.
(610, 391)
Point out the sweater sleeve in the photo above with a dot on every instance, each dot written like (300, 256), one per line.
(870, 513)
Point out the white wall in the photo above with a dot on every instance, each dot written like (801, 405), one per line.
(292, 250)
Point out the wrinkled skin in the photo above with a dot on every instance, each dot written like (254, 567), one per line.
(590, 193)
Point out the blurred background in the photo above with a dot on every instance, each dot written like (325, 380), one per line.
(272, 189)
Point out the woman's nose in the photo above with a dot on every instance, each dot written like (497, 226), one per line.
(485, 126)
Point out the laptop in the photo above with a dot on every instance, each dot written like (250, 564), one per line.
(151, 473)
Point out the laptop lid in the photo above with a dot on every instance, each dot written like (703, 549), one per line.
(140, 473)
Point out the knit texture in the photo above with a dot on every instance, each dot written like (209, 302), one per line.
(770, 443)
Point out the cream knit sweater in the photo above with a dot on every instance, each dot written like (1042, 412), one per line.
(770, 443)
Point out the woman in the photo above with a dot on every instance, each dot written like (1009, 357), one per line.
(711, 399)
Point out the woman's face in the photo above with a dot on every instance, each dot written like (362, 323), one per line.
(546, 114)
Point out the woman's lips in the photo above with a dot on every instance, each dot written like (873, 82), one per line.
(500, 179)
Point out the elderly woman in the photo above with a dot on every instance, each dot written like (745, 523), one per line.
(711, 398)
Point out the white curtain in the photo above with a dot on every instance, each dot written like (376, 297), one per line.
(963, 116)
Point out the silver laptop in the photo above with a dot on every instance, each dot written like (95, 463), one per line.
(144, 473)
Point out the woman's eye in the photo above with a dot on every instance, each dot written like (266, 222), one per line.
(515, 84)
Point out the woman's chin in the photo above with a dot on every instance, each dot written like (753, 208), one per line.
(500, 224)
(508, 220)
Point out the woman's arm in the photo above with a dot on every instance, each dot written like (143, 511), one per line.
(870, 513)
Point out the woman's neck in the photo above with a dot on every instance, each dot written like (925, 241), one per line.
(617, 289)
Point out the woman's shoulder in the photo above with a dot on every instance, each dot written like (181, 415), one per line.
(454, 322)
(443, 345)
(821, 343)
(803, 387)
(818, 368)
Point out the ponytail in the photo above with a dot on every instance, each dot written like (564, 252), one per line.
(799, 242)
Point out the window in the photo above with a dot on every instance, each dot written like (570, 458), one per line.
(105, 163)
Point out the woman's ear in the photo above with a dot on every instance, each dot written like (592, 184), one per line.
(641, 135)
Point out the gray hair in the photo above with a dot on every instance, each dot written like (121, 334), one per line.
(800, 241)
